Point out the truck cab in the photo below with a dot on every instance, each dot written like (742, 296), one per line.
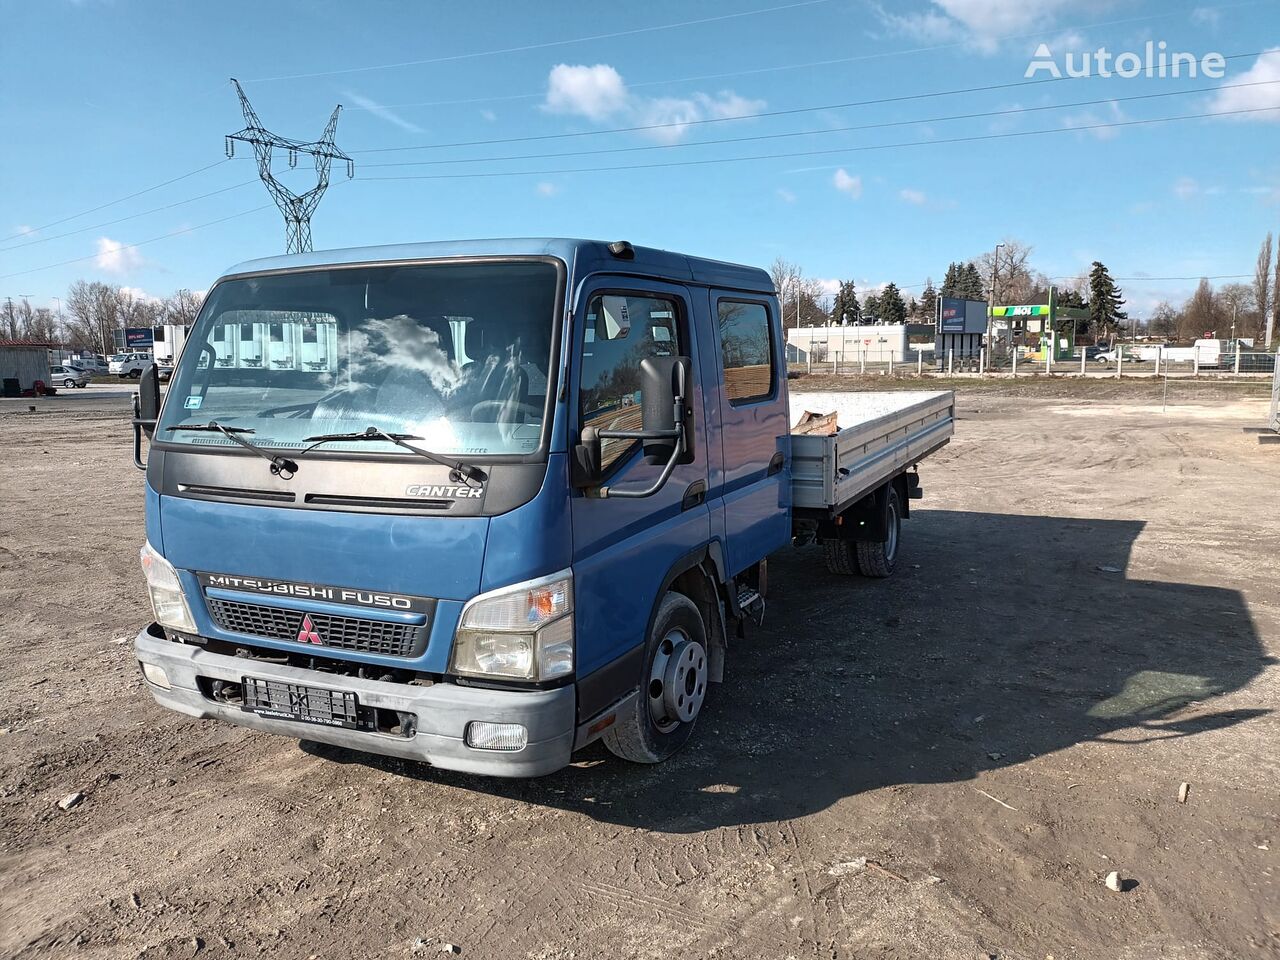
(505, 498)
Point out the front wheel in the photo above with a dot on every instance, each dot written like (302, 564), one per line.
(673, 686)
(68, 384)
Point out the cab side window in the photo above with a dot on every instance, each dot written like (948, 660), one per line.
(620, 331)
(746, 350)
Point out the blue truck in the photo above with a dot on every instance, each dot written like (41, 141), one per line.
(482, 503)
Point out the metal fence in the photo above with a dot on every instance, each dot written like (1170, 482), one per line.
(1244, 364)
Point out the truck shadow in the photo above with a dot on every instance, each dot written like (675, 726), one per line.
(1000, 638)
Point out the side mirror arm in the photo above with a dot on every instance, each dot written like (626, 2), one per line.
(605, 493)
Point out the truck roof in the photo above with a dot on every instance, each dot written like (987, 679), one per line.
(582, 256)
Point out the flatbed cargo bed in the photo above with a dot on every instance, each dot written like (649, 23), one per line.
(880, 435)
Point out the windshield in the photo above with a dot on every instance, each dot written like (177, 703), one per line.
(457, 354)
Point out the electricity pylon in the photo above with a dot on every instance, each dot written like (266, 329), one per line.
(296, 207)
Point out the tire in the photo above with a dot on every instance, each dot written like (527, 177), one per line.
(68, 384)
(878, 558)
(135, 374)
(841, 557)
(653, 728)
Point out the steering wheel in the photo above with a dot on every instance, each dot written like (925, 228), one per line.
(488, 411)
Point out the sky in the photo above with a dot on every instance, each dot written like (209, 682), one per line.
(517, 119)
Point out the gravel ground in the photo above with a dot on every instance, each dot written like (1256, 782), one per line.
(944, 764)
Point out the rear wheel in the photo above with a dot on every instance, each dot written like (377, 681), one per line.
(673, 686)
(878, 558)
(841, 557)
(68, 384)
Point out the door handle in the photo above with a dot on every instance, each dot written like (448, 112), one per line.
(694, 496)
(775, 463)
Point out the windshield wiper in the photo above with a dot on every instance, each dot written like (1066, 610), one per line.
(281, 467)
(459, 470)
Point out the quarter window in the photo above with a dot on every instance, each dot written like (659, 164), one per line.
(746, 350)
(620, 331)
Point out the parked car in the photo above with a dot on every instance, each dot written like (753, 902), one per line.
(89, 365)
(129, 364)
(1113, 356)
(68, 376)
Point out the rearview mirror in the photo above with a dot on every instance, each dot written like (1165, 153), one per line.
(146, 409)
(664, 408)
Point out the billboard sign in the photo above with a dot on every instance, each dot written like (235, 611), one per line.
(962, 316)
(135, 337)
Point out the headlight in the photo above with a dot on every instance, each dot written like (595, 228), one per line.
(521, 632)
(167, 599)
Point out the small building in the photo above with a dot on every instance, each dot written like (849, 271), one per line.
(22, 363)
(877, 343)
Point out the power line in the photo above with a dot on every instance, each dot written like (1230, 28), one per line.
(112, 203)
(140, 243)
(878, 101)
(132, 216)
(828, 130)
(826, 152)
(452, 58)
(756, 71)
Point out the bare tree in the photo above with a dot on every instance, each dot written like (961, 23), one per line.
(1016, 281)
(94, 315)
(1237, 303)
(1264, 290)
(1202, 313)
(182, 307)
(801, 300)
(1164, 321)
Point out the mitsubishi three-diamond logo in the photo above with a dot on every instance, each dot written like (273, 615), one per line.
(307, 633)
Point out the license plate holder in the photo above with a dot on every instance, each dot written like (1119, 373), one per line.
(300, 703)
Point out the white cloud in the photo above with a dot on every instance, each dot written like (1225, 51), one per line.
(488, 115)
(116, 257)
(1186, 188)
(546, 189)
(982, 23)
(596, 93)
(786, 196)
(911, 196)
(137, 293)
(1266, 69)
(1090, 118)
(381, 112)
(24, 229)
(847, 183)
(599, 93)
(1206, 16)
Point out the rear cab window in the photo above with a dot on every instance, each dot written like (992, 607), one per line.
(746, 350)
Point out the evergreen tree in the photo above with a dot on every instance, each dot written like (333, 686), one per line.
(871, 308)
(951, 282)
(971, 283)
(1071, 298)
(892, 309)
(929, 302)
(845, 307)
(1105, 300)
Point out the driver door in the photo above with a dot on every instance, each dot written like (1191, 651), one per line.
(623, 548)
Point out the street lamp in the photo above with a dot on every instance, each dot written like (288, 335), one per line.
(991, 310)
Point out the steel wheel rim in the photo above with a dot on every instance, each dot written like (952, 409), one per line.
(891, 545)
(677, 680)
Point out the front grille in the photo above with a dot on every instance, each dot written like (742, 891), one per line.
(346, 633)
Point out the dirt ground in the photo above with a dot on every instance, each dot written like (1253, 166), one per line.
(944, 764)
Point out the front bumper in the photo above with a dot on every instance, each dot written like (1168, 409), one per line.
(443, 711)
